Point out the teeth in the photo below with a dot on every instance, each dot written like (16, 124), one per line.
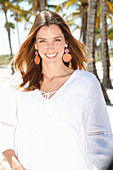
(51, 55)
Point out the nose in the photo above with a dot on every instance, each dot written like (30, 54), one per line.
(50, 46)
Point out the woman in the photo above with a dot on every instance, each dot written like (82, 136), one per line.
(56, 118)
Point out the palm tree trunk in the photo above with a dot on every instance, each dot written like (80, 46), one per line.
(8, 31)
(39, 5)
(84, 13)
(104, 45)
(90, 41)
(42, 5)
(9, 38)
(17, 28)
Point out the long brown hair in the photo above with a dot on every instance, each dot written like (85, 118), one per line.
(24, 62)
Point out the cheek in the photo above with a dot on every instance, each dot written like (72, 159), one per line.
(59, 47)
(60, 50)
(41, 48)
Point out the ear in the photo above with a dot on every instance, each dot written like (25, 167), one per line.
(66, 44)
(35, 46)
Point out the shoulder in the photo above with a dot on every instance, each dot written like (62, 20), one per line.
(8, 95)
(15, 79)
(85, 79)
(85, 76)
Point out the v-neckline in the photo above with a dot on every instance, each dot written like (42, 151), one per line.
(57, 91)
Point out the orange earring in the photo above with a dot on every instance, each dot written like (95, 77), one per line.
(67, 57)
(37, 58)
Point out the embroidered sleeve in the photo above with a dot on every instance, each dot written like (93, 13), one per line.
(8, 118)
(6, 124)
(7, 133)
(97, 127)
(99, 133)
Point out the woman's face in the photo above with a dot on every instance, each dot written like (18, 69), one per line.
(50, 43)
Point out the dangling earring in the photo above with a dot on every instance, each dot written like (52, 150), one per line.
(37, 58)
(67, 57)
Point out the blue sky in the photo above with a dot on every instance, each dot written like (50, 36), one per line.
(4, 43)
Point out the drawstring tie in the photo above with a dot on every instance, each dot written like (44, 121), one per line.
(46, 95)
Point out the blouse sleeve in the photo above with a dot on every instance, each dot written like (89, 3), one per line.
(8, 118)
(99, 137)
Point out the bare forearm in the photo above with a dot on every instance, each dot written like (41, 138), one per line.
(12, 160)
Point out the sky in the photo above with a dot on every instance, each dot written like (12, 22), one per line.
(4, 43)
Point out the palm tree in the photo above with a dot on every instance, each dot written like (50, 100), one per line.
(81, 12)
(104, 45)
(90, 41)
(5, 5)
(84, 14)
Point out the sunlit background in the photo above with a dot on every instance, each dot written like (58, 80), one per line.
(23, 28)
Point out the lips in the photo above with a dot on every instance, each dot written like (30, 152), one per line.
(51, 56)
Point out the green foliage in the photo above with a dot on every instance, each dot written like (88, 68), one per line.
(110, 34)
(51, 6)
(69, 3)
(11, 25)
(110, 7)
(4, 59)
(71, 18)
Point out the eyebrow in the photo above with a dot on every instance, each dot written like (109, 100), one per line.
(53, 38)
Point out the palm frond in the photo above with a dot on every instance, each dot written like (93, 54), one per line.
(69, 3)
(109, 7)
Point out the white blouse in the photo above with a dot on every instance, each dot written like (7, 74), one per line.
(69, 131)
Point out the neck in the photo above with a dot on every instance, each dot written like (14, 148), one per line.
(51, 71)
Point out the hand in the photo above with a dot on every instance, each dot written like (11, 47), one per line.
(16, 165)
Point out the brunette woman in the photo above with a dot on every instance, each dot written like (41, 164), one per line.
(54, 115)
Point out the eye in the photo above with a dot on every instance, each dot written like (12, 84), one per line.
(57, 40)
(42, 41)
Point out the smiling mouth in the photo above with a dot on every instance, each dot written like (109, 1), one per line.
(51, 56)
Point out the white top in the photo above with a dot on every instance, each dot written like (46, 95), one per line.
(69, 131)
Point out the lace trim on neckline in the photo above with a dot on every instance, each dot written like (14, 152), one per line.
(46, 95)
